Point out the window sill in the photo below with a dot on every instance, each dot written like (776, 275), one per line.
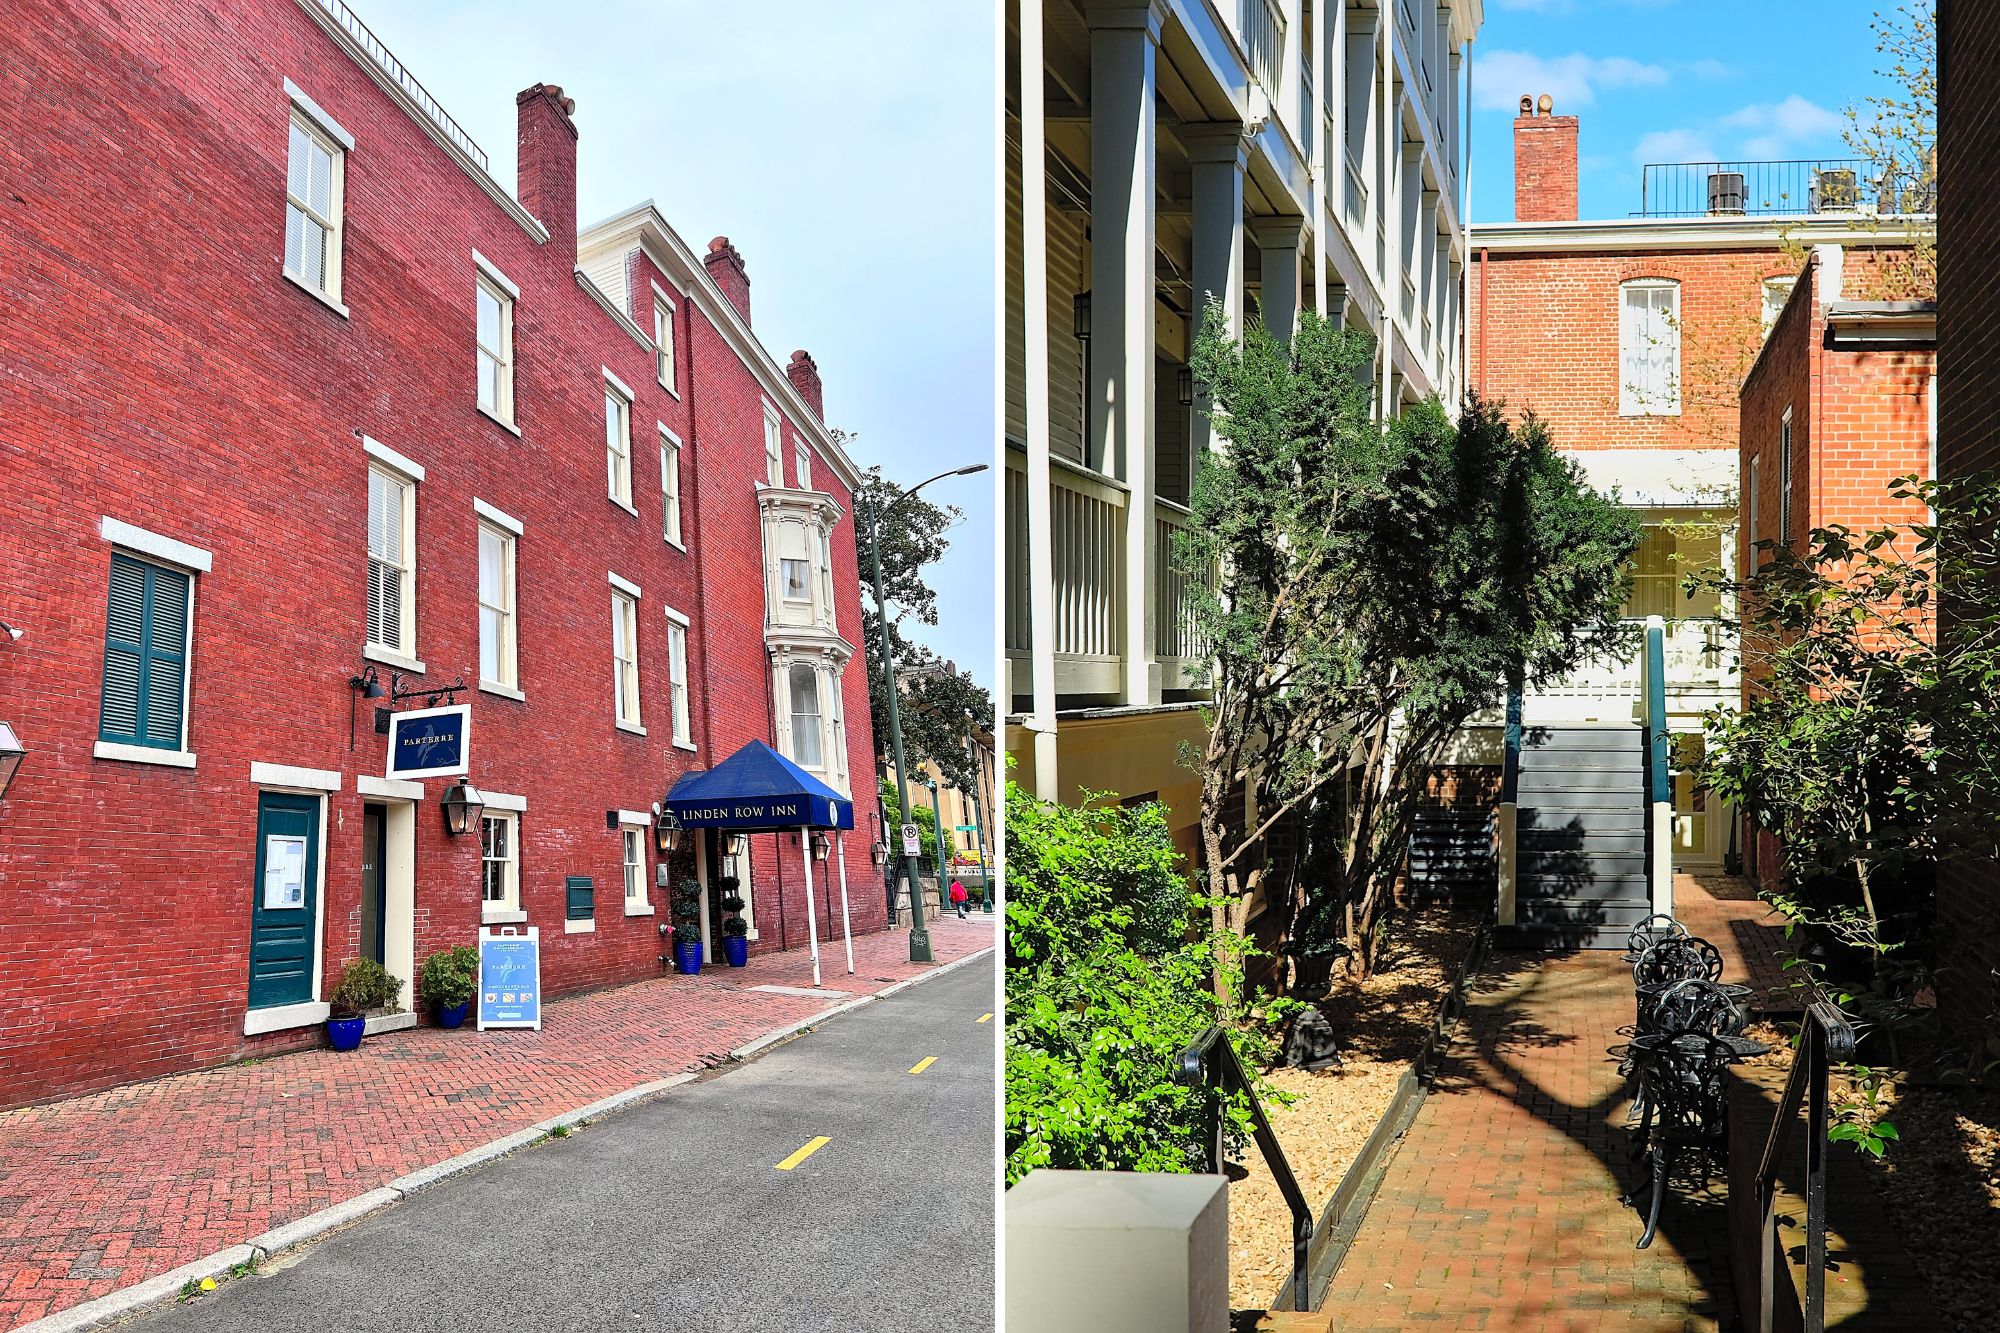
(1631, 412)
(670, 389)
(390, 657)
(502, 916)
(142, 754)
(580, 927)
(498, 420)
(680, 744)
(315, 293)
(504, 691)
(647, 910)
(677, 544)
(633, 727)
(281, 1018)
(624, 505)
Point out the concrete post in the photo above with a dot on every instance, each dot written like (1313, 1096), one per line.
(1281, 240)
(1118, 1252)
(1035, 296)
(1219, 158)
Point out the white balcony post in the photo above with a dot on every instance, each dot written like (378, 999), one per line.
(1218, 157)
(1124, 51)
(1035, 302)
(1280, 241)
(1118, 1252)
(1324, 151)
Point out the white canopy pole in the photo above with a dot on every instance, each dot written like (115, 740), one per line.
(840, 850)
(812, 917)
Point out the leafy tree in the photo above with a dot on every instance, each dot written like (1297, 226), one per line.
(936, 694)
(1107, 982)
(1377, 588)
(919, 814)
(1896, 131)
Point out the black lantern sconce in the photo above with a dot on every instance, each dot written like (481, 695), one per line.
(1185, 379)
(732, 844)
(666, 832)
(462, 805)
(11, 754)
(1080, 317)
(822, 846)
(878, 852)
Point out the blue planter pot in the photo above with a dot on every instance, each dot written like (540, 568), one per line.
(452, 1016)
(736, 948)
(687, 957)
(344, 1034)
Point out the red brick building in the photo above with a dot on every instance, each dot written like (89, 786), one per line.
(1968, 410)
(1841, 401)
(301, 404)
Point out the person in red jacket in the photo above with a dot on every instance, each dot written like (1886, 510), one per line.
(958, 898)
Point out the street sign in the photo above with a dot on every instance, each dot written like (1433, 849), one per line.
(429, 742)
(966, 828)
(912, 846)
(510, 978)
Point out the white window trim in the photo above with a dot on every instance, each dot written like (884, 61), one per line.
(616, 387)
(390, 789)
(390, 657)
(412, 474)
(317, 115)
(501, 280)
(142, 754)
(339, 309)
(510, 645)
(500, 800)
(669, 382)
(502, 409)
(623, 591)
(686, 628)
(502, 913)
(283, 1017)
(293, 778)
(785, 583)
(774, 446)
(625, 586)
(183, 559)
(1629, 404)
(316, 124)
(671, 502)
(140, 541)
(801, 464)
(630, 823)
(624, 390)
(410, 469)
(499, 518)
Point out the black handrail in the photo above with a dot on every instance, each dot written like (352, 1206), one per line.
(1211, 1062)
(1827, 1038)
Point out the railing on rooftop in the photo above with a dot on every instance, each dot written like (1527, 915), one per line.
(386, 61)
(1825, 186)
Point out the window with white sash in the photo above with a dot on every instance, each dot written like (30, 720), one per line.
(802, 465)
(313, 185)
(618, 444)
(625, 656)
(1785, 479)
(1649, 348)
(807, 751)
(670, 486)
(497, 656)
(392, 564)
(663, 339)
(499, 861)
(495, 339)
(774, 462)
(677, 677)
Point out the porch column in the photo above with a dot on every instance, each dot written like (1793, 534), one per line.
(1219, 158)
(1124, 53)
(1280, 240)
(1041, 722)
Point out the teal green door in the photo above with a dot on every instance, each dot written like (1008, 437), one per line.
(284, 911)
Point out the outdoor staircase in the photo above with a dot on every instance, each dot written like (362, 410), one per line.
(1451, 856)
(1580, 879)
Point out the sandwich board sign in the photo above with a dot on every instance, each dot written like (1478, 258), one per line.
(510, 978)
(912, 845)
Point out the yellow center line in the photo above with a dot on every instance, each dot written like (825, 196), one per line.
(812, 1146)
(983, 1018)
(923, 1064)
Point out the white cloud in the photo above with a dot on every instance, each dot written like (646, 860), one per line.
(1778, 129)
(1674, 146)
(1502, 77)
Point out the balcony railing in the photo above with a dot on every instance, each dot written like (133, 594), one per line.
(1699, 656)
(386, 61)
(1833, 186)
(1176, 639)
(1308, 113)
(1357, 194)
(1087, 541)
(1262, 27)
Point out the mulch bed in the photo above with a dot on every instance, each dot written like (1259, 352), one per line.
(1941, 1181)
(1381, 1025)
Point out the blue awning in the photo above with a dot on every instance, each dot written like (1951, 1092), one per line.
(757, 790)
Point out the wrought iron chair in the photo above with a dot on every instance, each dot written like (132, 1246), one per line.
(1691, 1005)
(1684, 1081)
(1651, 931)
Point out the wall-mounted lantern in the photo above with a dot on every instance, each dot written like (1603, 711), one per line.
(732, 844)
(463, 805)
(1080, 317)
(879, 853)
(1184, 381)
(666, 831)
(822, 846)
(11, 754)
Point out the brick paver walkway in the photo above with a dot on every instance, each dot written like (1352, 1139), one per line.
(103, 1191)
(1500, 1207)
(1751, 935)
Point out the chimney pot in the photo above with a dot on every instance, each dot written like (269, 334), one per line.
(1546, 105)
(725, 266)
(1527, 105)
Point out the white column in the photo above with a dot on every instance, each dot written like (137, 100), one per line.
(1218, 157)
(1281, 240)
(846, 930)
(1118, 1252)
(1323, 151)
(1035, 305)
(1124, 50)
(812, 917)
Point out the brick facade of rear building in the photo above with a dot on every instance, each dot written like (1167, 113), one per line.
(1968, 417)
(184, 415)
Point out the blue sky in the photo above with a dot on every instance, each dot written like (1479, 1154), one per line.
(1666, 81)
(846, 149)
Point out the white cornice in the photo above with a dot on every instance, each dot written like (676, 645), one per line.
(642, 224)
(1692, 233)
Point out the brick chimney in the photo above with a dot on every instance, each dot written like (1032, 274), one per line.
(1544, 163)
(546, 163)
(726, 267)
(804, 375)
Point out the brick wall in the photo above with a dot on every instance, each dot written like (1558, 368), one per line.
(1544, 166)
(155, 367)
(1968, 410)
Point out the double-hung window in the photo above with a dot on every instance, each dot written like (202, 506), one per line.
(635, 867)
(499, 862)
(677, 676)
(493, 298)
(618, 440)
(146, 625)
(392, 562)
(774, 462)
(826, 577)
(1785, 480)
(663, 340)
(498, 659)
(314, 168)
(670, 485)
(625, 652)
(798, 581)
(1649, 348)
(802, 464)
(804, 689)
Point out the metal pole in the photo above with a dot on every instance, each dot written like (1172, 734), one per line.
(812, 918)
(937, 828)
(846, 931)
(978, 829)
(920, 938)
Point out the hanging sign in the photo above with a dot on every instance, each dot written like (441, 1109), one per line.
(430, 742)
(510, 978)
(912, 841)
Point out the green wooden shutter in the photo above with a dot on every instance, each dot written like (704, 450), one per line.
(145, 655)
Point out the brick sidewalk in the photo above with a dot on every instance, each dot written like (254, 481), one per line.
(1500, 1207)
(1749, 931)
(103, 1191)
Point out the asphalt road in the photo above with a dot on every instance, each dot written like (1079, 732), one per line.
(674, 1215)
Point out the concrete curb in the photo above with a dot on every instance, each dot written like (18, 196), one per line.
(167, 1286)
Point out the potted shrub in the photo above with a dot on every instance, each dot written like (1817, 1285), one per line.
(735, 934)
(364, 986)
(447, 983)
(687, 926)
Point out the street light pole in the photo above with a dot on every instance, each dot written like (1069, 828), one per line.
(937, 830)
(978, 828)
(920, 938)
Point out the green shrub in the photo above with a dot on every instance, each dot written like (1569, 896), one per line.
(1110, 966)
(364, 985)
(446, 979)
(687, 910)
